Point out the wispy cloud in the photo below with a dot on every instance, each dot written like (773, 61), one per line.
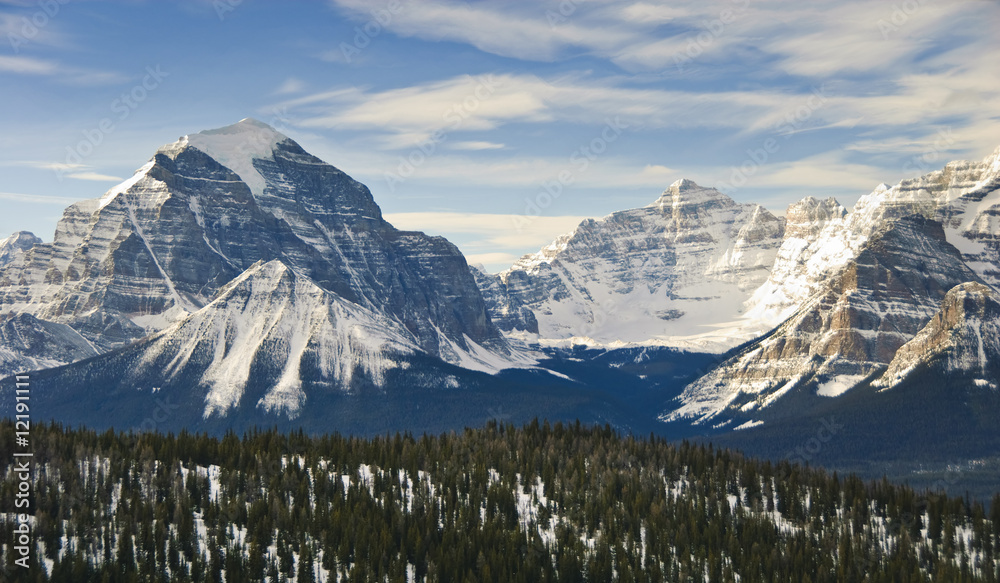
(521, 31)
(466, 103)
(76, 171)
(20, 65)
(474, 145)
(290, 85)
(95, 177)
(27, 66)
(37, 198)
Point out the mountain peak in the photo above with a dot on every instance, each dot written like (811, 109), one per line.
(683, 184)
(236, 146)
(247, 125)
(21, 239)
(993, 160)
(685, 192)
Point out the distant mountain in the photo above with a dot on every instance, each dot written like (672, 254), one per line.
(675, 272)
(964, 197)
(15, 246)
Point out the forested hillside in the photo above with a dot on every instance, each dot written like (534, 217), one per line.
(538, 503)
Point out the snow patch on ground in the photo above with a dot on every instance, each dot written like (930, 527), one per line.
(838, 385)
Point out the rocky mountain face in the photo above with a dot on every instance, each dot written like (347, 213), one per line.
(204, 209)
(963, 339)
(834, 330)
(851, 328)
(15, 246)
(676, 271)
(246, 278)
(506, 310)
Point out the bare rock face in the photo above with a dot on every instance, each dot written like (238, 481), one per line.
(849, 329)
(204, 209)
(506, 310)
(963, 338)
(667, 271)
(15, 246)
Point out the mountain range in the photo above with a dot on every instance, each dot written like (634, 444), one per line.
(245, 282)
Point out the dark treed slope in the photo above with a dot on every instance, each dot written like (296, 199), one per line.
(559, 503)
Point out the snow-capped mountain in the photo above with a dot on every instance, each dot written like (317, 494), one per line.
(963, 338)
(964, 196)
(849, 329)
(675, 272)
(204, 209)
(15, 246)
(252, 281)
(848, 290)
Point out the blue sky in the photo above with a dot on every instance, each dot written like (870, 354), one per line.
(501, 124)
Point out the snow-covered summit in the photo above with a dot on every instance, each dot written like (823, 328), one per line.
(236, 147)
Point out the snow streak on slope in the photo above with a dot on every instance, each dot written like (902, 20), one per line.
(270, 319)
